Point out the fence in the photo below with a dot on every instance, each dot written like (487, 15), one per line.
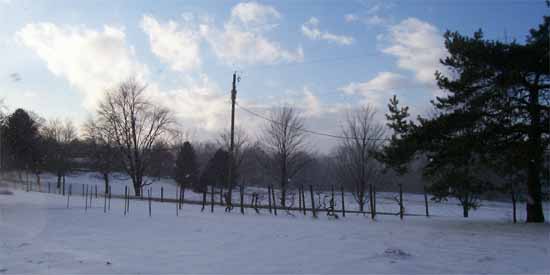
(336, 207)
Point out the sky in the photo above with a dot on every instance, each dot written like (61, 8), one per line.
(323, 58)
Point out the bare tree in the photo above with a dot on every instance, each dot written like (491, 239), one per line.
(134, 123)
(284, 142)
(102, 151)
(355, 156)
(59, 135)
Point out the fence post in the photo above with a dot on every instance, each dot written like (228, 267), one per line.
(312, 201)
(104, 200)
(95, 187)
(221, 194)
(86, 199)
(374, 199)
(149, 195)
(69, 196)
(182, 195)
(48, 187)
(242, 200)
(83, 190)
(109, 205)
(299, 199)
(161, 194)
(203, 199)
(304, 199)
(514, 205)
(63, 186)
(400, 201)
(426, 201)
(90, 196)
(269, 197)
(125, 198)
(212, 199)
(274, 200)
(371, 202)
(343, 203)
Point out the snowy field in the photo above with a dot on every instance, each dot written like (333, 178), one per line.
(40, 235)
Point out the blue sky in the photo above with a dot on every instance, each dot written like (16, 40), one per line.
(323, 57)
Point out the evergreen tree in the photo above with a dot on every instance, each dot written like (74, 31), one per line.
(22, 142)
(216, 171)
(504, 88)
(186, 170)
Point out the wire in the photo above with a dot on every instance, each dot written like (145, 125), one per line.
(302, 129)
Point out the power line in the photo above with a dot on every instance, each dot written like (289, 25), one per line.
(302, 129)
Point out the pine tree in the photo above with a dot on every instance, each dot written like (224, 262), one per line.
(186, 170)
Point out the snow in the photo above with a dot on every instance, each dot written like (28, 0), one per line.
(39, 234)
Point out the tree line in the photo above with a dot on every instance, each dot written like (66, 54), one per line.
(488, 132)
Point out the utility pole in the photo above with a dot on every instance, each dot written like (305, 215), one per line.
(232, 139)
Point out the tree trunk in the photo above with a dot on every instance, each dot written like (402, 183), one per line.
(137, 188)
(58, 180)
(534, 199)
(106, 179)
(465, 209)
(284, 179)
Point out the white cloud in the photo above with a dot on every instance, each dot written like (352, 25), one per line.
(418, 47)
(377, 90)
(176, 45)
(90, 60)
(243, 37)
(311, 30)
(253, 14)
(198, 104)
(312, 103)
(93, 61)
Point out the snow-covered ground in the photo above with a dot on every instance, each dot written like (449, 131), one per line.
(39, 234)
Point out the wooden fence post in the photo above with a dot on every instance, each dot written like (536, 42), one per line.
(514, 205)
(426, 201)
(269, 197)
(68, 197)
(374, 199)
(343, 203)
(242, 199)
(95, 187)
(203, 199)
(86, 199)
(104, 200)
(149, 195)
(48, 187)
(212, 199)
(161, 194)
(371, 202)
(400, 201)
(125, 198)
(82, 190)
(274, 200)
(182, 195)
(91, 196)
(312, 201)
(299, 199)
(63, 187)
(304, 199)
